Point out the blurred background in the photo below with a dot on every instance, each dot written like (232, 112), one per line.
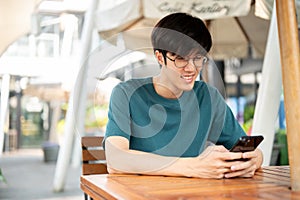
(60, 59)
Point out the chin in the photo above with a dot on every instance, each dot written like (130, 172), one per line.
(188, 87)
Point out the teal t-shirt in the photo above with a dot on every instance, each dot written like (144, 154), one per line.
(171, 127)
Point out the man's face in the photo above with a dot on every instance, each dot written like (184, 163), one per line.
(182, 72)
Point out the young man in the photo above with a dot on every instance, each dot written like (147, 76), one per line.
(161, 125)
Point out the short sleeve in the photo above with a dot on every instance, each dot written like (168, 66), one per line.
(118, 114)
(231, 131)
(225, 129)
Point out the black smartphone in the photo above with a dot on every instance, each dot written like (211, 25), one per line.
(247, 143)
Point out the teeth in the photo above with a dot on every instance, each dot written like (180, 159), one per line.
(187, 77)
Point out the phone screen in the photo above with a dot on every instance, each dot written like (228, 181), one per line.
(247, 143)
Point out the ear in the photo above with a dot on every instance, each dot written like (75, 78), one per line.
(160, 58)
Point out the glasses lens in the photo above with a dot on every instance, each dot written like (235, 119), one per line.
(199, 61)
(180, 62)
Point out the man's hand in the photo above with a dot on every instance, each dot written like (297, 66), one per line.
(246, 168)
(218, 162)
(212, 163)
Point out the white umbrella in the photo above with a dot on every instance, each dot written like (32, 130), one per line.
(233, 25)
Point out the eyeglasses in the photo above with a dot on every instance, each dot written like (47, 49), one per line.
(181, 62)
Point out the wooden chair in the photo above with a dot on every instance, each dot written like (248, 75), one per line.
(93, 156)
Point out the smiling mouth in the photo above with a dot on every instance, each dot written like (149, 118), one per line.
(187, 78)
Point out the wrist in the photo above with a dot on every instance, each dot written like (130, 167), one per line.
(182, 167)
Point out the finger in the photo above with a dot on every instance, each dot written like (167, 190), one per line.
(248, 155)
(229, 164)
(248, 175)
(221, 172)
(241, 165)
(247, 166)
(248, 172)
(232, 156)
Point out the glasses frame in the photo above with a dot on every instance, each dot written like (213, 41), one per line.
(205, 60)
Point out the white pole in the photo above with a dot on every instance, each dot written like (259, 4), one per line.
(270, 89)
(4, 107)
(76, 106)
(55, 106)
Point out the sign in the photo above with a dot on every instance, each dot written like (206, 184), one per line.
(203, 9)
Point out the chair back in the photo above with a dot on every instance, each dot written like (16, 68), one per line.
(93, 155)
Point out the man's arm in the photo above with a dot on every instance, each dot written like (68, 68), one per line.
(212, 163)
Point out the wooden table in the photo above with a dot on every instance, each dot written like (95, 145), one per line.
(269, 183)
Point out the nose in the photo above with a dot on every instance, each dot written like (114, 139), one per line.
(190, 66)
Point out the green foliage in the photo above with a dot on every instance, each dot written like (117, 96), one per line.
(249, 112)
(282, 141)
(2, 178)
(248, 118)
(247, 126)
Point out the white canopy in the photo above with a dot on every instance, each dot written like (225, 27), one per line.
(235, 30)
(116, 13)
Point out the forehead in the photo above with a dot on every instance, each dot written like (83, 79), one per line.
(190, 53)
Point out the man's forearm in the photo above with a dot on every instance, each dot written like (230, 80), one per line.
(137, 162)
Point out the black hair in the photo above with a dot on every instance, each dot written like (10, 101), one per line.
(181, 34)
